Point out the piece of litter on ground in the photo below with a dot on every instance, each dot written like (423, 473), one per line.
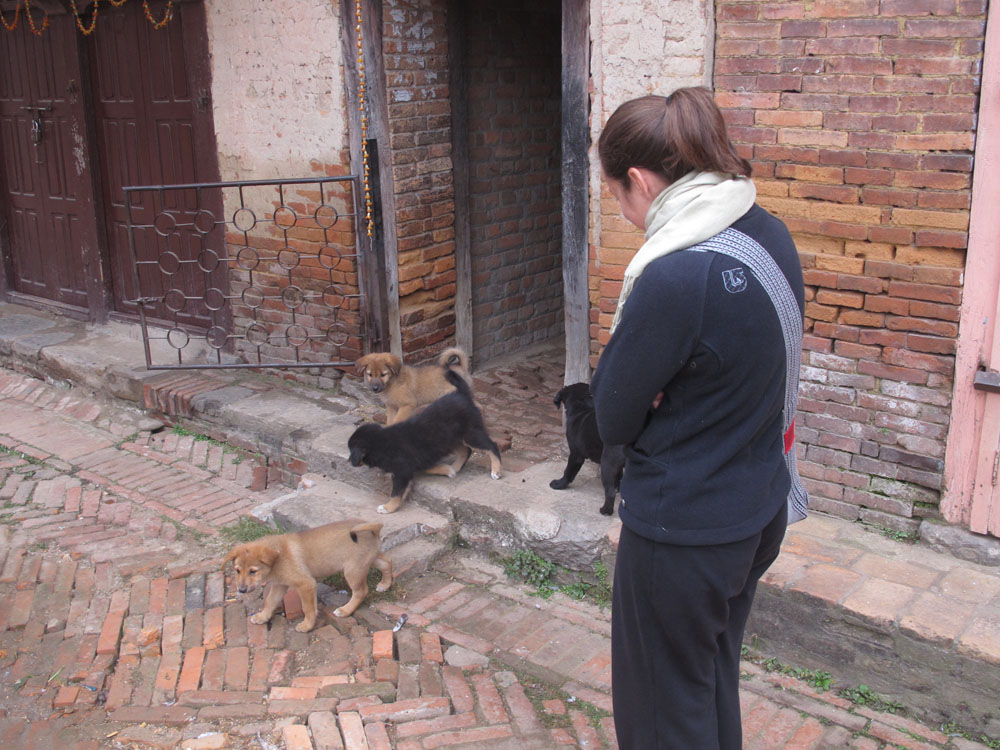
(399, 623)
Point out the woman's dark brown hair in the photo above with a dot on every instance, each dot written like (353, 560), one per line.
(670, 136)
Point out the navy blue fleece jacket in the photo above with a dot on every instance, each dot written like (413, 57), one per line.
(707, 466)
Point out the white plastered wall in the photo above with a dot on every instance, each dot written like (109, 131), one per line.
(641, 47)
(277, 87)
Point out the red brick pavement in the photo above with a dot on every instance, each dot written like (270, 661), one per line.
(117, 629)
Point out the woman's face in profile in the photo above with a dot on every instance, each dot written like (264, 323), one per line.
(630, 201)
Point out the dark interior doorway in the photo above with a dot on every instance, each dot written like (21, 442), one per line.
(506, 102)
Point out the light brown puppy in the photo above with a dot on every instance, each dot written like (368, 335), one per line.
(404, 389)
(296, 560)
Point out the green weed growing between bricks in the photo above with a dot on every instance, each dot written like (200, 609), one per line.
(181, 431)
(815, 678)
(862, 695)
(538, 692)
(954, 730)
(247, 530)
(534, 570)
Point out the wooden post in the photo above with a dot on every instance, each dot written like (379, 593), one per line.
(575, 187)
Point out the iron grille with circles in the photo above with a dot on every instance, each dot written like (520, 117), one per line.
(247, 274)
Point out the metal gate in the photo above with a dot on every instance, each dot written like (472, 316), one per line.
(278, 275)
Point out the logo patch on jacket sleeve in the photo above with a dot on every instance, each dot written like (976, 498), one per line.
(735, 280)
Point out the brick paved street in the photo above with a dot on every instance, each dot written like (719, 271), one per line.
(118, 629)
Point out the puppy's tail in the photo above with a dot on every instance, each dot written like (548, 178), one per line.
(455, 358)
(461, 385)
(374, 528)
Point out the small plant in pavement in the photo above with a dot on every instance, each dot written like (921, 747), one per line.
(863, 695)
(246, 530)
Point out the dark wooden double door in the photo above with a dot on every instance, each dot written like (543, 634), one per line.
(81, 117)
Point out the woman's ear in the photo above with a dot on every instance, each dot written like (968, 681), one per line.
(646, 182)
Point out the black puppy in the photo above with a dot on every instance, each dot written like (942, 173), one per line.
(423, 441)
(585, 442)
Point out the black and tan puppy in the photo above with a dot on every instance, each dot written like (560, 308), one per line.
(296, 560)
(452, 423)
(403, 388)
(585, 442)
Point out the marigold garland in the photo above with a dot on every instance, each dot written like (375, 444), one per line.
(364, 120)
(168, 14)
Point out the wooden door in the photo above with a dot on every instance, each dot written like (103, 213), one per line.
(47, 186)
(154, 127)
(972, 459)
(984, 515)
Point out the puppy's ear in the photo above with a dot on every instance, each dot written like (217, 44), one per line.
(559, 397)
(395, 364)
(233, 554)
(357, 455)
(362, 363)
(268, 556)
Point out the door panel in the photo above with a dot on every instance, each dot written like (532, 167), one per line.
(47, 186)
(147, 122)
(984, 516)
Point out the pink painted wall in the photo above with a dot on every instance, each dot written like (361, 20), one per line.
(980, 296)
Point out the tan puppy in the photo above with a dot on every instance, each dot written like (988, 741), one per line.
(404, 389)
(297, 559)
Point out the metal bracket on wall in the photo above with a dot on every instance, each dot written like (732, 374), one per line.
(987, 380)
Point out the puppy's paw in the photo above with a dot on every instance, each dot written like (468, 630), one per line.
(383, 586)
(607, 510)
(339, 612)
(495, 474)
(380, 509)
(304, 627)
(259, 619)
(558, 484)
(451, 472)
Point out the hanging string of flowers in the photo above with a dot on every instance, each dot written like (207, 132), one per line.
(364, 121)
(31, 19)
(168, 14)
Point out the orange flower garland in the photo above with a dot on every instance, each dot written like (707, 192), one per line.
(168, 14)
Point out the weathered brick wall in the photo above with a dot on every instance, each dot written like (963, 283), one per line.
(858, 116)
(293, 275)
(514, 175)
(270, 67)
(415, 48)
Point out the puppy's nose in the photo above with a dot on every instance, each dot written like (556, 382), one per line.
(241, 589)
(376, 386)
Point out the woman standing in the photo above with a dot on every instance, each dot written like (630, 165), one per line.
(699, 381)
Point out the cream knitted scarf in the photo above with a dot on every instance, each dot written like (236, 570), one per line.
(697, 206)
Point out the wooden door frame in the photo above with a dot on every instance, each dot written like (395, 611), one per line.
(981, 293)
(378, 262)
(576, 187)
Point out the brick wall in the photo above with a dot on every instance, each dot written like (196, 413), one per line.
(293, 275)
(415, 49)
(513, 68)
(859, 117)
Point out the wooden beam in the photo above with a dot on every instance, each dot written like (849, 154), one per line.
(575, 186)
(458, 87)
(380, 266)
